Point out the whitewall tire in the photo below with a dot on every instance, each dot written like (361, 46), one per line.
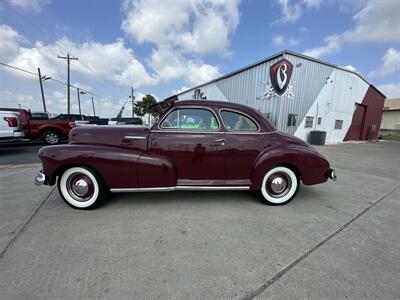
(82, 188)
(279, 186)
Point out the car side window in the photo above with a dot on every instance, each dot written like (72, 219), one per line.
(190, 119)
(234, 121)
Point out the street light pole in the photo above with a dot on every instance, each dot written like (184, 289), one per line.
(94, 111)
(41, 89)
(79, 101)
(79, 98)
(133, 102)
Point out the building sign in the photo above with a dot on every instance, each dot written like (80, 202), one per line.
(280, 74)
(198, 94)
(279, 83)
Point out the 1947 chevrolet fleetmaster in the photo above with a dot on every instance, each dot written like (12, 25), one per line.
(192, 145)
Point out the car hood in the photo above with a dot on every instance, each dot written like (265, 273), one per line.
(120, 135)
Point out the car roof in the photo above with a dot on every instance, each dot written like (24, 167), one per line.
(224, 104)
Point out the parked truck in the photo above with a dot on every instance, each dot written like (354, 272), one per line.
(50, 131)
(10, 126)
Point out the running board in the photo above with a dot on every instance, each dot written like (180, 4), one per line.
(181, 188)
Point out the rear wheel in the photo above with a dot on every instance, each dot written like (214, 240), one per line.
(82, 188)
(279, 186)
(51, 137)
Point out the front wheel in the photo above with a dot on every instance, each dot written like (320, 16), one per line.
(51, 137)
(82, 188)
(279, 186)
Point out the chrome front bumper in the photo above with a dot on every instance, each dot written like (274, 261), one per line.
(332, 175)
(40, 178)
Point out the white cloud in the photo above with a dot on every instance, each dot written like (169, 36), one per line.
(350, 67)
(332, 45)
(377, 22)
(292, 10)
(390, 63)
(9, 42)
(195, 26)
(312, 3)
(170, 64)
(29, 5)
(112, 61)
(391, 90)
(178, 91)
(280, 41)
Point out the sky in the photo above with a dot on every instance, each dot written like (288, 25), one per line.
(162, 47)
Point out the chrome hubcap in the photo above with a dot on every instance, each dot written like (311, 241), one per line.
(278, 185)
(80, 187)
(52, 138)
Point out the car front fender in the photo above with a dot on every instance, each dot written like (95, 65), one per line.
(120, 167)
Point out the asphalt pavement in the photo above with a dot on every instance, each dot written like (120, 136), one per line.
(338, 240)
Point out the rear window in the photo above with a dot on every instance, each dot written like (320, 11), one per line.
(235, 121)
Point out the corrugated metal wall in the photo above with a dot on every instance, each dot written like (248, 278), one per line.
(248, 87)
(336, 89)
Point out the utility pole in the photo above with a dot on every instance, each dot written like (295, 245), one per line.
(68, 58)
(133, 102)
(94, 111)
(41, 79)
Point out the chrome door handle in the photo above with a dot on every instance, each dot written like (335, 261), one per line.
(219, 140)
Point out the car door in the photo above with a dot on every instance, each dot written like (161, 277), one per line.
(191, 137)
(243, 143)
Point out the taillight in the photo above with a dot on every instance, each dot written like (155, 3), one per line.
(72, 124)
(12, 121)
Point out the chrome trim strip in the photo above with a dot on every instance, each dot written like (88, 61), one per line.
(134, 190)
(181, 188)
(134, 137)
(188, 131)
(211, 188)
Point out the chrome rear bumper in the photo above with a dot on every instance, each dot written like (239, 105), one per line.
(332, 175)
(40, 178)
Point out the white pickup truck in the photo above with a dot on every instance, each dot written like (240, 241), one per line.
(10, 126)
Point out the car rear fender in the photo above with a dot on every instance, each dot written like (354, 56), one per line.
(310, 166)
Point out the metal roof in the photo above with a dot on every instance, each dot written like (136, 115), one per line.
(277, 55)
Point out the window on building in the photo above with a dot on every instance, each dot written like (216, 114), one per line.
(309, 122)
(191, 119)
(319, 121)
(338, 124)
(237, 122)
(292, 120)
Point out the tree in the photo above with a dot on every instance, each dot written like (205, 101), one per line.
(142, 107)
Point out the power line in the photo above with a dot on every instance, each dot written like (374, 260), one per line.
(38, 28)
(62, 83)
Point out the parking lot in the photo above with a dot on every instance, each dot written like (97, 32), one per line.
(333, 241)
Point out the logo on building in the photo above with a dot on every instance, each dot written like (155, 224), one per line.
(279, 84)
(198, 94)
(280, 74)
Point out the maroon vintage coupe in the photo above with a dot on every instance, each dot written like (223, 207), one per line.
(192, 145)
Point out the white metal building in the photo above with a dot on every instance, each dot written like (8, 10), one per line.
(299, 94)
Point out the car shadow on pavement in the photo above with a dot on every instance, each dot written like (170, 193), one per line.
(203, 197)
(305, 194)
